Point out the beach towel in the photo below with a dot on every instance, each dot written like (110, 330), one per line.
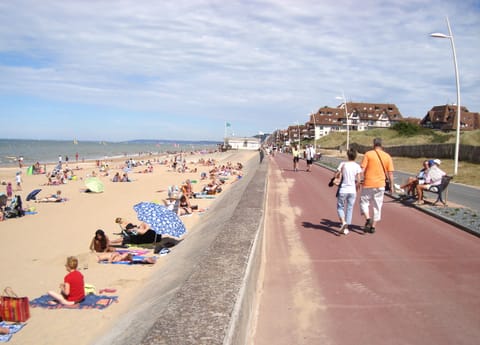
(136, 260)
(91, 301)
(13, 328)
(203, 196)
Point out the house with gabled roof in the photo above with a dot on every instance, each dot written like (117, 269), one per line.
(361, 116)
(444, 117)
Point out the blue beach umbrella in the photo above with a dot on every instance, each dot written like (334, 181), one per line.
(33, 194)
(161, 219)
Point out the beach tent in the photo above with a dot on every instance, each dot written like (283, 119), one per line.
(94, 185)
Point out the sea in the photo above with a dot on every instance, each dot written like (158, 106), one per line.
(48, 151)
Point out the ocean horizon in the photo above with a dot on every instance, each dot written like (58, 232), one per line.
(48, 151)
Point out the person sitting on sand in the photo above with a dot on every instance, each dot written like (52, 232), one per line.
(116, 177)
(119, 257)
(100, 242)
(185, 207)
(72, 290)
(187, 189)
(52, 198)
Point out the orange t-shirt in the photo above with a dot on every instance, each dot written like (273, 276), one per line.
(373, 171)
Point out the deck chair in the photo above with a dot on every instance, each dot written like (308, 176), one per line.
(441, 189)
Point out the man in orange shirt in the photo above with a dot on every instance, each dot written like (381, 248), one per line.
(377, 165)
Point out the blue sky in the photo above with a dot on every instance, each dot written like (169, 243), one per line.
(129, 69)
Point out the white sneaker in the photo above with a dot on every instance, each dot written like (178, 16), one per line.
(345, 232)
(344, 229)
(398, 189)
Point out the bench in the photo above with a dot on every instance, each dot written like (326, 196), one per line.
(440, 190)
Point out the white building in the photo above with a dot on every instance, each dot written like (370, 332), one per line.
(239, 143)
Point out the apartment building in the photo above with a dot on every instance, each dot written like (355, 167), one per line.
(361, 116)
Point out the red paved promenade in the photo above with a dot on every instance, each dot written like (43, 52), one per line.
(415, 281)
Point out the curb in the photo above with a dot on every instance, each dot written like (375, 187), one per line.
(438, 216)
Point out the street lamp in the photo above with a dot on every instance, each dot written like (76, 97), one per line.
(346, 117)
(314, 131)
(298, 130)
(457, 80)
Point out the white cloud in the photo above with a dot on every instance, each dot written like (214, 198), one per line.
(257, 64)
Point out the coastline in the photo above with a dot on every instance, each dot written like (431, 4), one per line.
(34, 247)
(47, 151)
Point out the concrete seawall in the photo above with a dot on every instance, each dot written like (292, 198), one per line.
(205, 293)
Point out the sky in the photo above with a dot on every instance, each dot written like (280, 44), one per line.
(128, 69)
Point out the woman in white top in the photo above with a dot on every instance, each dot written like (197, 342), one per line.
(347, 190)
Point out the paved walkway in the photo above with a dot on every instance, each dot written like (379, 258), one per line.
(415, 281)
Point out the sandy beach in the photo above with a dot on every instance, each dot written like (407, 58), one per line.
(34, 247)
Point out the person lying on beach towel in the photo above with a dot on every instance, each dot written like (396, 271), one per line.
(117, 257)
(53, 198)
(72, 290)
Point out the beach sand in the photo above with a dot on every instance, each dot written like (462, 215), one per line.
(33, 248)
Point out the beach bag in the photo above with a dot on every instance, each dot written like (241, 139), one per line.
(337, 179)
(14, 308)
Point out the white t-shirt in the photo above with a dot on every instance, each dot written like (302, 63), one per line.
(310, 151)
(349, 170)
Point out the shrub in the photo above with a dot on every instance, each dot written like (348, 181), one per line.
(406, 129)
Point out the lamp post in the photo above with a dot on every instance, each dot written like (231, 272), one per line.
(298, 130)
(346, 117)
(457, 80)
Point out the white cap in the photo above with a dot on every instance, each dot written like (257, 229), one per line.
(437, 161)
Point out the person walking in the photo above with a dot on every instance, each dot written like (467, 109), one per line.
(296, 157)
(18, 180)
(309, 156)
(351, 173)
(377, 166)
